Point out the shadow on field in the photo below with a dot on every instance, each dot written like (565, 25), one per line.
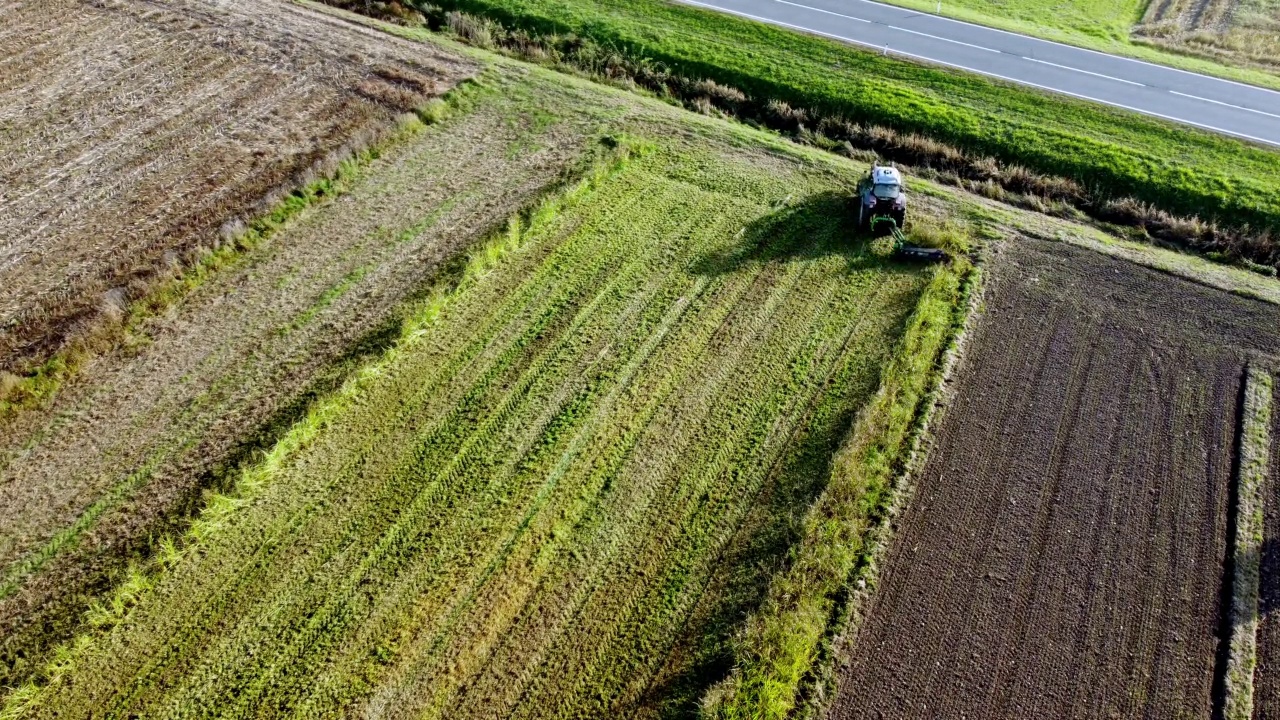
(702, 655)
(1266, 559)
(818, 226)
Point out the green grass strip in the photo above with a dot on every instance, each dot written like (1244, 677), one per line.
(1255, 460)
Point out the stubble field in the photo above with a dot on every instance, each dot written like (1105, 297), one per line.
(1241, 32)
(1065, 552)
(132, 132)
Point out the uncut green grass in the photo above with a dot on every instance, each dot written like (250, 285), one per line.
(1109, 20)
(1117, 153)
(556, 483)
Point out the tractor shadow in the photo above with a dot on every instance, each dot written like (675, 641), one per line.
(817, 227)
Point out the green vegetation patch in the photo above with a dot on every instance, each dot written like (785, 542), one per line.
(1111, 152)
(545, 501)
(1109, 20)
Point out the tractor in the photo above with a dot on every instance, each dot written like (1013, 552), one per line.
(881, 195)
(882, 209)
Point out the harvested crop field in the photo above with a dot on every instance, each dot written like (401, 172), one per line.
(1064, 552)
(591, 451)
(128, 446)
(131, 132)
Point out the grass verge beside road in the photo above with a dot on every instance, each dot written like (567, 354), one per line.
(1110, 152)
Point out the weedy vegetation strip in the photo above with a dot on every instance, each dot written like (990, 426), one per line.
(1113, 154)
(783, 643)
(1255, 461)
(522, 504)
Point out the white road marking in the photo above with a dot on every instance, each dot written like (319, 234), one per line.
(1016, 81)
(1086, 72)
(891, 27)
(935, 37)
(826, 12)
(1219, 102)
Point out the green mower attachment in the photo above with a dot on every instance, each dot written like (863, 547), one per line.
(888, 226)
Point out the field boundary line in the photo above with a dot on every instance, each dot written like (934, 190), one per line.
(1255, 459)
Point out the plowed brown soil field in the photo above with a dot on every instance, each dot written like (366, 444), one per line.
(130, 132)
(1064, 553)
(1266, 679)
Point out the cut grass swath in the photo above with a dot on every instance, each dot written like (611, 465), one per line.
(521, 505)
(783, 641)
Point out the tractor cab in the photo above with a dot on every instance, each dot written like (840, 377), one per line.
(881, 194)
(882, 209)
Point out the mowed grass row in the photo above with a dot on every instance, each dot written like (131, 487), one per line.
(1113, 153)
(520, 511)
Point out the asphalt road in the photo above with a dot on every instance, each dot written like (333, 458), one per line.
(1221, 106)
